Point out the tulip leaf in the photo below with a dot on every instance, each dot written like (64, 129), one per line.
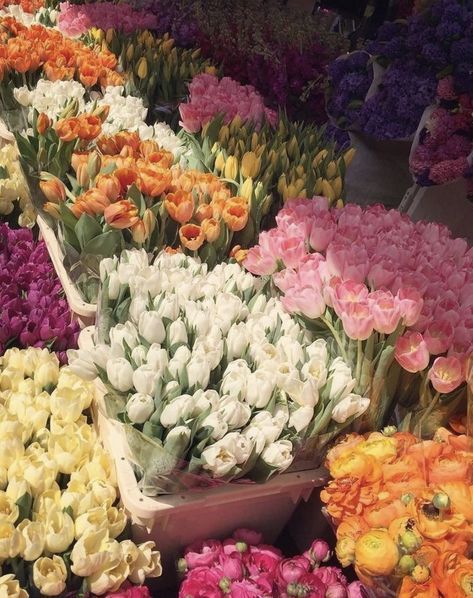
(86, 229)
(122, 311)
(208, 254)
(24, 504)
(106, 244)
(137, 198)
(109, 168)
(68, 218)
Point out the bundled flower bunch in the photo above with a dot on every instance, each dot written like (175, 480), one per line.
(350, 78)
(402, 509)
(267, 165)
(243, 566)
(76, 19)
(27, 53)
(445, 146)
(60, 526)
(392, 295)
(209, 96)
(33, 310)
(13, 188)
(211, 379)
(29, 6)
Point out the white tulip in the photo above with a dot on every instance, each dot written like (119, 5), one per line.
(81, 363)
(309, 395)
(126, 273)
(349, 406)
(218, 460)
(256, 436)
(136, 257)
(107, 265)
(157, 358)
(219, 425)
(316, 369)
(211, 348)
(179, 408)
(148, 281)
(140, 407)
(180, 360)
(198, 371)
(237, 444)
(237, 341)
(264, 422)
(138, 305)
(167, 307)
(139, 355)
(287, 379)
(301, 418)
(278, 454)
(235, 413)
(124, 333)
(318, 350)
(101, 354)
(259, 388)
(258, 304)
(144, 379)
(341, 380)
(230, 308)
(264, 353)
(113, 286)
(177, 333)
(235, 384)
(290, 350)
(120, 374)
(151, 327)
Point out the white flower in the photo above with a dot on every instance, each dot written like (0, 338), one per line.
(278, 454)
(237, 341)
(264, 353)
(340, 378)
(218, 459)
(199, 320)
(138, 305)
(301, 418)
(198, 371)
(259, 303)
(177, 333)
(239, 445)
(144, 379)
(179, 408)
(234, 383)
(108, 265)
(151, 328)
(113, 286)
(349, 406)
(140, 407)
(264, 422)
(81, 363)
(256, 436)
(215, 420)
(157, 358)
(318, 350)
(120, 374)
(290, 350)
(287, 379)
(168, 307)
(316, 369)
(101, 354)
(180, 360)
(259, 388)
(235, 413)
(124, 333)
(229, 309)
(148, 282)
(139, 355)
(211, 347)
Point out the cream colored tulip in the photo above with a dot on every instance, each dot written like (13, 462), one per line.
(47, 375)
(59, 531)
(67, 403)
(34, 534)
(17, 487)
(100, 467)
(116, 521)
(148, 564)
(49, 575)
(109, 580)
(92, 520)
(130, 552)
(12, 542)
(73, 496)
(9, 511)
(46, 502)
(69, 452)
(3, 478)
(40, 474)
(12, 450)
(41, 436)
(104, 493)
(10, 587)
(67, 379)
(93, 552)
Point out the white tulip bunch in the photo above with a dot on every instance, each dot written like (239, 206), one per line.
(211, 369)
(57, 486)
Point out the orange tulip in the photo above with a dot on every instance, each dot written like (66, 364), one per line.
(180, 206)
(55, 72)
(153, 181)
(52, 209)
(126, 177)
(89, 73)
(411, 589)
(108, 145)
(91, 202)
(53, 189)
(110, 78)
(42, 123)
(238, 254)
(122, 214)
(148, 147)
(127, 138)
(138, 232)
(211, 228)
(203, 212)
(79, 158)
(192, 236)
(108, 59)
(67, 129)
(161, 158)
(90, 127)
(235, 215)
(110, 185)
(82, 175)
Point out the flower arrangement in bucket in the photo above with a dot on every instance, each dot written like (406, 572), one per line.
(212, 380)
(398, 322)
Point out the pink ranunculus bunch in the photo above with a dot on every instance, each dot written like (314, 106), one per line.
(130, 591)
(76, 19)
(243, 567)
(209, 96)
(377, 273)
(445, 146)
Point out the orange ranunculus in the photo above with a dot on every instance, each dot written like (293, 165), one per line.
(42, 123)
(411, 589)
(89, 73)
(122, 214)
(235, 215)
(180, 206)
(426, 554)
(425, 452)
(354, 464)
(404, 440)
(431, 525)
(450, 469)
(443, 571)
(461, 498)
(110, 185)
(79, 158)
(203, 212)
(90, 127)
(126, 177)
(348, 442)
(403, 475)
(460, 583)
(348, 496)
(191, 236)
(53, 189)
(67, 129)
(153, 181)
(382, 513)
(383, 448)
(211, 228)
(91, 202)
(458, 441)
(399, 526)
(352, 527)
(376, 554)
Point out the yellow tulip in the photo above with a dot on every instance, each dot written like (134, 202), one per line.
(167, 46)
(337, 185)
(34, 534)
(130, 51)
(231, 168)
(339, 203)
(348, 156)
(327, 190)
(10, 586)
(148, 564)
(319, 157)
(224, 135)
(250, 165)
(46, 375)
(49, 575)
(235, 125)
(299, 185)
(109, 35)
(12, 542)
(219, 162)
(246, 190)
(282, 186)
(318, 186)
(300, 170)
(292, 147)
(254, 141)
(142, 68)
(331, 170)
(210, 70)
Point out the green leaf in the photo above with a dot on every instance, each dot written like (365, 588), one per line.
(4, 173)
(107, 244)
(68, 218)
(86, 229)
(208, 254)
(24, 504)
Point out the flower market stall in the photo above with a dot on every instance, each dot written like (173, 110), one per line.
(226, 368)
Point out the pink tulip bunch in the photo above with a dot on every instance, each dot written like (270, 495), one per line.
(243, 567)
(382, 277)
(76, 19)
(209, 97)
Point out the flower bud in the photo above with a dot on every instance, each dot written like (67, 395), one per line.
(43, 123)
(142, 68)
(94, 164)
(219, 162)
(250, 165)
(53, 210)
(246, 190)
(348, 156)
(211, 228)
(410, 541)
(231, 168)
(149, 221)
(182, 566)
(407, 498)
(420, 574)
(82, 175)
(241, 546)
(406, 564)
(102, 112)
(53, 188)
(441, 501)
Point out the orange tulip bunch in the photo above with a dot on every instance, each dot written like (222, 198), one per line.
(26, 52)
(29, 6)
(403, 509)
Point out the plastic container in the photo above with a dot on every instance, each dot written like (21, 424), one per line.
(83, 312)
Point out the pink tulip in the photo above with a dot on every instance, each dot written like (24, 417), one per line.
(386, 311)
(411, 302)
(285, 279)
(411, 352)
(348, 293)
(438, 337)
(293, 250)
(381, 274)
(446, 374)
(321, 233)
(358, 322)
(260, 263)
(304, 300)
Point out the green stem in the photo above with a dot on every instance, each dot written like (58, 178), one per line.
(337, 338)
(427, 412)
(359, 361)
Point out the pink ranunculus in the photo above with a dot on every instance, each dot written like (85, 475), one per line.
(355, 590)
(309, 585)
(386, 311)
(411, 352)
(203, 554)
(291, 570)
(319, 552)
(336, 590)
(130, 591)
(231, 546)
(446, 374)
(411, 303)
(330, 575)
(438, 337)
(304, 300)
(232, 566)
(249, 536)
(263, 559)
(245, 589)
(259, 262)
(358, 321)
(348, 293)
(202, 583)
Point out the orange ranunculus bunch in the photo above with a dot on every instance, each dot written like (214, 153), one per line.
(403, 509)
(34, 49)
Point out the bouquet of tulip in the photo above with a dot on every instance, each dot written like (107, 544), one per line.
(33, 311)
(76, 19)
(392, 295)
(444, 148)
(60, 526)
(28, 6)
(402, 511)
(243, 566)
(13, 188)
(212, 380)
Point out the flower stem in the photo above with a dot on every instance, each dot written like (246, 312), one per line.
(337, 338)
(427, 412)
(359, 361)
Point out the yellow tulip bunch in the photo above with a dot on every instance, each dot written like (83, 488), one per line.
(13, 187)
(57, 486)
